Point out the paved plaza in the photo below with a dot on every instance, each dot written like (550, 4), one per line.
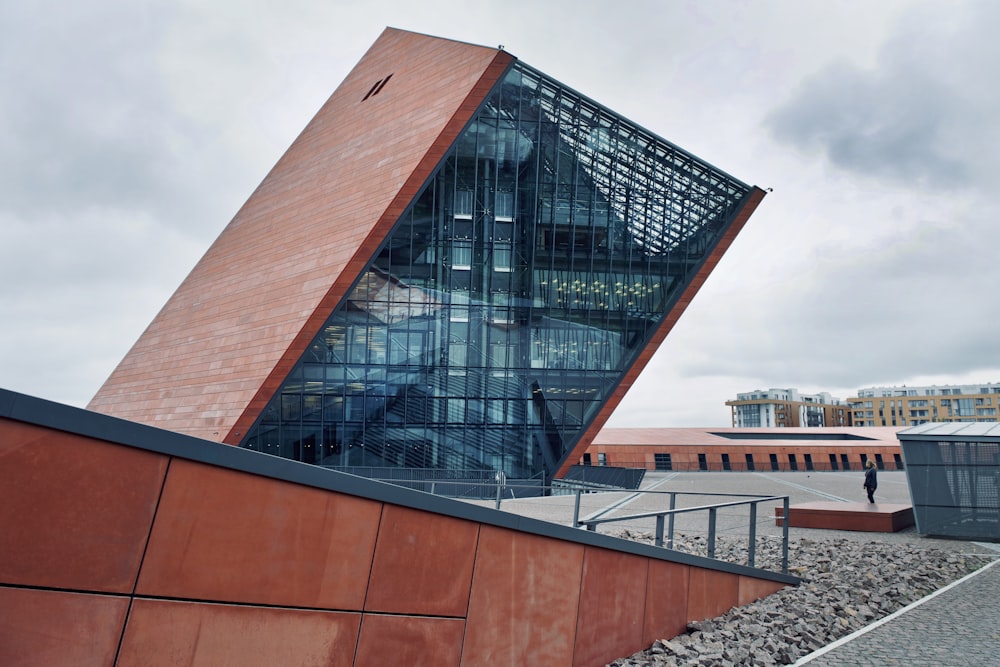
(697, 488)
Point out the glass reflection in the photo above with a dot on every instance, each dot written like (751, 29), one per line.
(511, 296)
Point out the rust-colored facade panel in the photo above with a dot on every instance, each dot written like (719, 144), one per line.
(234, 537)
(300, 561)
(524, 602)
(666, 601)
(752, 589)
(171, 633)
(311, 218)
(711, 593)
(59, 628)
(613, 586)
(423, 564)
(78, 510)
(414, 641)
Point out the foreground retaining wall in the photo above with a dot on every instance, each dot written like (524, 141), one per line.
(129, 545)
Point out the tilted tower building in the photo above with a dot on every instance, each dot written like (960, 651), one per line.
(460, 264)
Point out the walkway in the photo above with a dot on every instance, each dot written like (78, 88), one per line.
(957, 626)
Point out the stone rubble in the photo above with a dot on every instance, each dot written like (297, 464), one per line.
(847, 584)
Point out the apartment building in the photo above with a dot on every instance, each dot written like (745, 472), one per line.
(788, 408)
(912, 406)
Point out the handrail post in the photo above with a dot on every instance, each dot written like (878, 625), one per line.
(753, 534)
(501, 479)
(659, 530)
(576, 510)
(711, 532)
(670, 528)
(784, 538)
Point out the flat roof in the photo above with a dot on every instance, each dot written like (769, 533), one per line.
(952, 430)
(844, 436)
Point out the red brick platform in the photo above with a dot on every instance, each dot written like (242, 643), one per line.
(870, 517)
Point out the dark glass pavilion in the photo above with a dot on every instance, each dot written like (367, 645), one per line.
(510, 298)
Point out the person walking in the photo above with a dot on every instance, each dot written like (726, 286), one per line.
(871, 480)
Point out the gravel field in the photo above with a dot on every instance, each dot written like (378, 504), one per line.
(848, 583)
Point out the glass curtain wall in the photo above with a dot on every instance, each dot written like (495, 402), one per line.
(511, 296)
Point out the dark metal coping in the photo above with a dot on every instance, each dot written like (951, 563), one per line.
(40, 412)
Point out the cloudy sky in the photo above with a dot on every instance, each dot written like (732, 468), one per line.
(131, 132)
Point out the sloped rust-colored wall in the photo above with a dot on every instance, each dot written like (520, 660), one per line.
(114, 554)
(211, 359)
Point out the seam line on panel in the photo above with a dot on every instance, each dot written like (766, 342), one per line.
(56, 589)
(472, 588)
(371, 565)
(646, 600)
(475, 563)
(368, 584)
(579, 605)
(142, 559)
(283, 607)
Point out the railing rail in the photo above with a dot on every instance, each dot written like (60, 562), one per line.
(471, 484)
(667, 517)
(494, 485)
(759, 465)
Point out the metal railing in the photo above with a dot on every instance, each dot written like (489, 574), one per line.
(667, 517)
(760, 465)
(463, 484)
(495, 485)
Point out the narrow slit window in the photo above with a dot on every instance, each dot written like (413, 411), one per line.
(376, 88)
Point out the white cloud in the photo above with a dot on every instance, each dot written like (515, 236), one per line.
(921, 116)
